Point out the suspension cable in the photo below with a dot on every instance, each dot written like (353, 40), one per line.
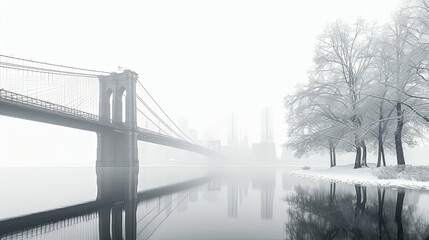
(45, 70)
(152, 121)
(157, 116)
(164, 111)
(54, 65)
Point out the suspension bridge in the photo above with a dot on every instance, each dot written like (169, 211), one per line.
(116, 106)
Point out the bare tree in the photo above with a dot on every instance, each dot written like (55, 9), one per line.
(380, 109)
(365, 88)
(316, 120)
(344, 53)
(405, 60)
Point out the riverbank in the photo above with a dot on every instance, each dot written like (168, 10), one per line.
(365, 176)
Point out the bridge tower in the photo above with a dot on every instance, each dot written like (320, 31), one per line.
(118, 148)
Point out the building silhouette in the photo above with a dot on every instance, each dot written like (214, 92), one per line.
(232, 137)
(266, 149)
(267, 135)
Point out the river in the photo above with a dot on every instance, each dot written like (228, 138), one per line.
(201, 202)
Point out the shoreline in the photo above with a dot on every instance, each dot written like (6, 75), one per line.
(346, 174)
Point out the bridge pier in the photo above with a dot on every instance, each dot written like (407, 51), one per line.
(118, 148)
(117, 185)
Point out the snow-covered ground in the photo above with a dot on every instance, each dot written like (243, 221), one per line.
(364, 176)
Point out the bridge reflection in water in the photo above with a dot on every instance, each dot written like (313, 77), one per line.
(119, 212)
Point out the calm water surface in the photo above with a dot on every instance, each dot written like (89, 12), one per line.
(198, 202)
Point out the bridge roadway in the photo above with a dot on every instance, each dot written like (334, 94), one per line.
(24, 107)
(16, 224)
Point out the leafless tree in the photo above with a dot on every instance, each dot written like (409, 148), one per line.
(344, 53)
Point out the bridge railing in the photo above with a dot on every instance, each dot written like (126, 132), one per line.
(19, 98)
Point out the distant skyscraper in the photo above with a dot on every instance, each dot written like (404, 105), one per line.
(244, 143)
(214, 145)
(267, 135)
(232, 138)
(183, 125)
(193, 133)
(266, 149)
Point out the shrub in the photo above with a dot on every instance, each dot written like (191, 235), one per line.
(417, 173)
(306, 168)
(386, 173)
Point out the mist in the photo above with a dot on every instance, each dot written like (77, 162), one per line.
(196, 119)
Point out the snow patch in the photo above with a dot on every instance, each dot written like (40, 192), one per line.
(363, 176)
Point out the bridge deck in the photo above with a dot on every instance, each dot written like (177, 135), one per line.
(41, 104)
(24, 107)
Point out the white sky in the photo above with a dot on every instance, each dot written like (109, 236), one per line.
(200, 59)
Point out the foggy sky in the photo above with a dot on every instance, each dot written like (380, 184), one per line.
(200, 59)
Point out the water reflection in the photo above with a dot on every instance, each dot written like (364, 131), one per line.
(137, 215)
(119, 187)
(237, 186)
(263, 203)
(119, 211)
(376, 213)
(266, 183)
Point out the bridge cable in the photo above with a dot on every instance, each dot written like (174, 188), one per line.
(54, 65)
(48, 83)
(152, 121)
(45, 70)
(164, 111)
(157, 116)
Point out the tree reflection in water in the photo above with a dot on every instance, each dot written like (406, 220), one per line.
(319, 213)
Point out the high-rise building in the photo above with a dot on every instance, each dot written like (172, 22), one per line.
(267, 135)
(232, 137)
(266, 149)
(183, 124)
(193, 134)
(214, 145)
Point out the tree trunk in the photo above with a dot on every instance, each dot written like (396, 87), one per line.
(364, 154)
(398, 135)
(357, 159)
(335, 156)
(380, 143)
(398, 213)
(379, 155)
(381, 146)
(382, 156)
(381, 129)
(331, 157)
